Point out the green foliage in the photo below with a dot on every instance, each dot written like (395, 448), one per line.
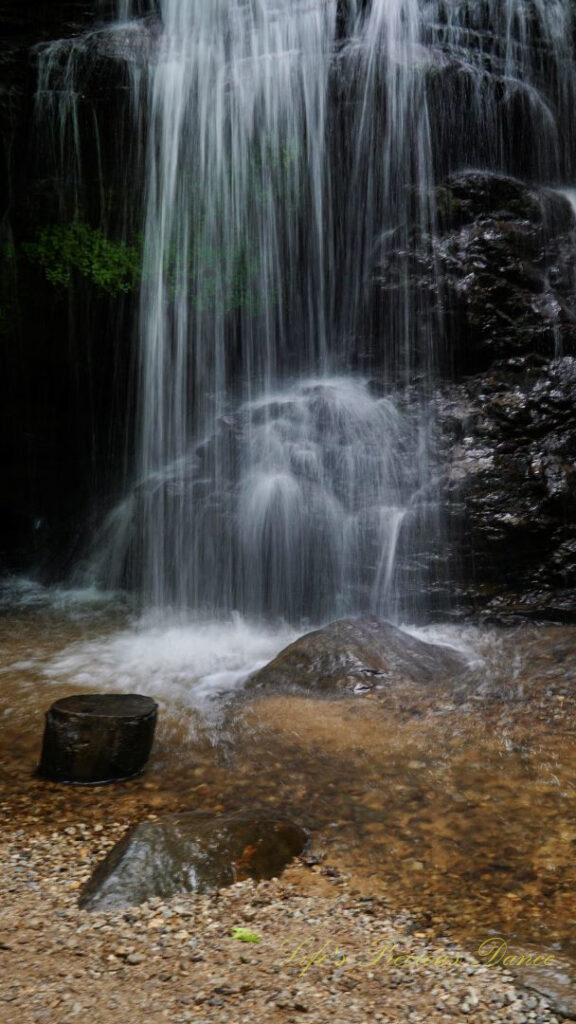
(8, 253)
(245, 935)
(63, 248)
(217, 279)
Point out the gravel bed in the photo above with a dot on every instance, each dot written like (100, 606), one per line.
(177, 960)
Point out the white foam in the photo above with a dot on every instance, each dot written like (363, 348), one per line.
(189, 663)
(465, 640)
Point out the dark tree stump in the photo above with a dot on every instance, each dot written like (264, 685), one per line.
(97, 737)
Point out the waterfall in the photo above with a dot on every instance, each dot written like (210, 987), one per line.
(508, 82)
(236, 105)
(270, 478)
(284, 458)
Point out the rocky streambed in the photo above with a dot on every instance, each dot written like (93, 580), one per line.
(440, 815)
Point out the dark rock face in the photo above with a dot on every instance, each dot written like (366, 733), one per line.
(509, 439)
(507, 253)
(64, 362)
(356, 654)
(507, 257)
(498, 278)
(189, 853)
(24, 26)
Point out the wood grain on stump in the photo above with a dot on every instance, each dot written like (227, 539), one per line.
(97, 737)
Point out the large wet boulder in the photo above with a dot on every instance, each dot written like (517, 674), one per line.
(356, 654)
(509, 448)
(190, 853)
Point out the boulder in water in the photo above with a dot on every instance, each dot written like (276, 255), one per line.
(190, 853)
(357, 654)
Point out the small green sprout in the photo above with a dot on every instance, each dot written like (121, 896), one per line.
(245, 935)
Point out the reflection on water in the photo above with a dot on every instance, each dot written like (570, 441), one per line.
(455, 801)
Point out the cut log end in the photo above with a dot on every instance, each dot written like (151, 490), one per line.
(97, 737)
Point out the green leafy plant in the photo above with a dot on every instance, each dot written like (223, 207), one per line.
(245, 935)
(215, 277)
(61, 249)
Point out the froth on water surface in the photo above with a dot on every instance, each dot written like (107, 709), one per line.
(183, 662)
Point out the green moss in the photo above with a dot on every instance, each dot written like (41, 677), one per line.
(61, 249)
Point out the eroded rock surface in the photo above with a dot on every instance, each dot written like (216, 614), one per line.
(499, 275)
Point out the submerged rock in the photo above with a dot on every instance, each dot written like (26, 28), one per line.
(356, 654)
(190, 853)
(555, 981)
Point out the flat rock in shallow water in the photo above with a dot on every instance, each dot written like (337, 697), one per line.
(556, 982)
(357, 653)
(190, 853)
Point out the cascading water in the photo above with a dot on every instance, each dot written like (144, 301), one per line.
(236, 104)
(505, 71)
(290, 149)
(270, 479)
